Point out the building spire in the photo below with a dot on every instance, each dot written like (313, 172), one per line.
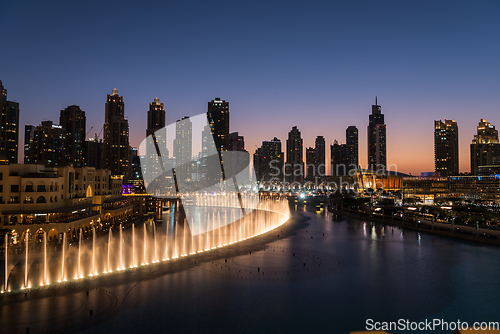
(376, 101)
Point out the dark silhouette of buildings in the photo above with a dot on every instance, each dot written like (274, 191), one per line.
(236, 142)
(344, 157)
(338, 158)
(485, 147)
(73, 121)
(352, 146)
(310, 163)
(116, 136)
(315, 160)
(319, 156)
(377, 156)
(268, 161)
(94, 153)
(446, 147)
(294, 156)
(9, 128)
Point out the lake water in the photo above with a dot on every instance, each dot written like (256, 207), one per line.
(322, 274)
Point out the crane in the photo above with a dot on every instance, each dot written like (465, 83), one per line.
(89, 131)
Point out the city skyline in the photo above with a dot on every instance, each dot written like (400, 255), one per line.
(444, 68)
(362, 164)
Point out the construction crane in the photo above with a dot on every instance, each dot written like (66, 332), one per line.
(86, 136)
(98, 135)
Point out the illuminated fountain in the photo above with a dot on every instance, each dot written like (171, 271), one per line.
(219, 222)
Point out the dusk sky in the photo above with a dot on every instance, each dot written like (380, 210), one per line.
(315, 64)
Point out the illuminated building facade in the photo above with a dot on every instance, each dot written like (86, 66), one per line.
(48, 146)
(446, 147)
(9, 128)
(485, 147)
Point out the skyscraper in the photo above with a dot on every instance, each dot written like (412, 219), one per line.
(155, 122)
(310, 163)
(377, 156)
(351, 137)
(94, 148)
(218, 118)
(9, 128)
(446, 147)
(116, 136)
(29, 132)
(485, 147)
(183, 142)
(319, 156)
(338, 158)
(156, 117)
(294, 156)
(73, 121)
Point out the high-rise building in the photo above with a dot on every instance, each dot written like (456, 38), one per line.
(338, 159)
(156, 117)
(9, 128)
(94, 153)
(73, 120)
(310, 163)
(29, 132)
(183, 142)
(377, 155)
(294, 156)
(218, 118)
(351, 137)
(116, 136)
(49, 145)
(446, 147)
(319, 157)
(136, 164)
(344, 157)
(485, 147)
(268, 159)
(156, 121)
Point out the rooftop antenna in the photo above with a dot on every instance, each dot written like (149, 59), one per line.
(376, 101)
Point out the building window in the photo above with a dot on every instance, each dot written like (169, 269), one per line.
(40, 188)
(14, 199)
(1, 188)
(14, 188)
(29, 188)
(41, 199)
(1, 176)
(28, 200)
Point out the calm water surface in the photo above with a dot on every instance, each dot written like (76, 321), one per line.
(369, 271)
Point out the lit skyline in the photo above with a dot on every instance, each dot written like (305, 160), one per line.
(318, 66)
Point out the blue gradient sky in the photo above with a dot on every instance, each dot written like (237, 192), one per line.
(314, 64)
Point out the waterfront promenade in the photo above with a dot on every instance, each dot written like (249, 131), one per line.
(465, 232)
